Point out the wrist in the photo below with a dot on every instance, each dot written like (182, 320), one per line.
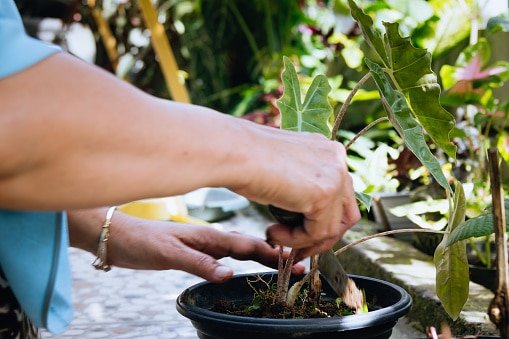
(101, 261)
(255, 168)
(85, 227)
(232, 163)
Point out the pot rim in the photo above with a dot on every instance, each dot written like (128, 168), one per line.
(381, 316)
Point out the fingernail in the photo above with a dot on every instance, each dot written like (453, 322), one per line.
(222, 272)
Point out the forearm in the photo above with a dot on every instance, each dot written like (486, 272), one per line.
(85, 227)
(110, 144)
(159, 245)
(72, 136)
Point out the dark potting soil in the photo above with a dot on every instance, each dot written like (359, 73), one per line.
(266, 308)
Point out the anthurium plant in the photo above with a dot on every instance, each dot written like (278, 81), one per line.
(409, 93)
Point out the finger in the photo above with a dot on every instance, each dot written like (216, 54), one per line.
(295, 237)
(249, 248)
(317, 249)
(241, 247)
(201, 264)
(298, 268)
(351, 213)
(244, 247)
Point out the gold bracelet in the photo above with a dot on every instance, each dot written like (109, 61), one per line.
(100, 263)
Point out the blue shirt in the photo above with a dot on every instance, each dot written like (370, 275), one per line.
(33, 245)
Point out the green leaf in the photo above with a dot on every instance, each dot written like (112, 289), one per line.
(372, 35)
(475, 227)
(364, 199)
(313, 114)
(451, 262)
(499, 23)
(407, 126)
(418, 212)
(410, 69)
(421, 207)
(479, 226)
(448, 75)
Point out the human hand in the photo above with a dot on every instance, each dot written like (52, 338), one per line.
(302, 172)
(159, 245)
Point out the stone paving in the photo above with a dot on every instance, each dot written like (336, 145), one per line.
(141, 304)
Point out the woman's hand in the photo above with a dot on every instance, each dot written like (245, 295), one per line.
(302, 172)
(158, 245)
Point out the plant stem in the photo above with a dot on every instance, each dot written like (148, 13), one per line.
(280, 268)
(315, 284)
(364, 130)
(499, 307)
(344, 107)
(282, 289)
(315, 279)
(368, 237)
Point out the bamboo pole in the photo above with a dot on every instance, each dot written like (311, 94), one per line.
(162, 48)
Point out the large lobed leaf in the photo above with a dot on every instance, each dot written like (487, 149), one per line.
(410, 71)
(404, 122)
(451, 262)
(371, 34)
(313, 114)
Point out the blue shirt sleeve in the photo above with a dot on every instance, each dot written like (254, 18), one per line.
(33, 257)
(18, 51)
(33, 245)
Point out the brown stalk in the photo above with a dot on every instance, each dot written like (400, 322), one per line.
(381, 234)
(315, 284)
(498, 310)
(348, 101)
(284, 278)
(280, 268)
(284, 274)
(364, 130)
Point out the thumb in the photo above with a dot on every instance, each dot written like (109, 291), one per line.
(202, 265)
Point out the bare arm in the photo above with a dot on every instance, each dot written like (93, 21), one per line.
(158, 245)
(74, 136)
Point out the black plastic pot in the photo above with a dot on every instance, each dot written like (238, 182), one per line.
(484, 276)
(195, 303)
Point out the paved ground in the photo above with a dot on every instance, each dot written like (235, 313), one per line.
(141, 304)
